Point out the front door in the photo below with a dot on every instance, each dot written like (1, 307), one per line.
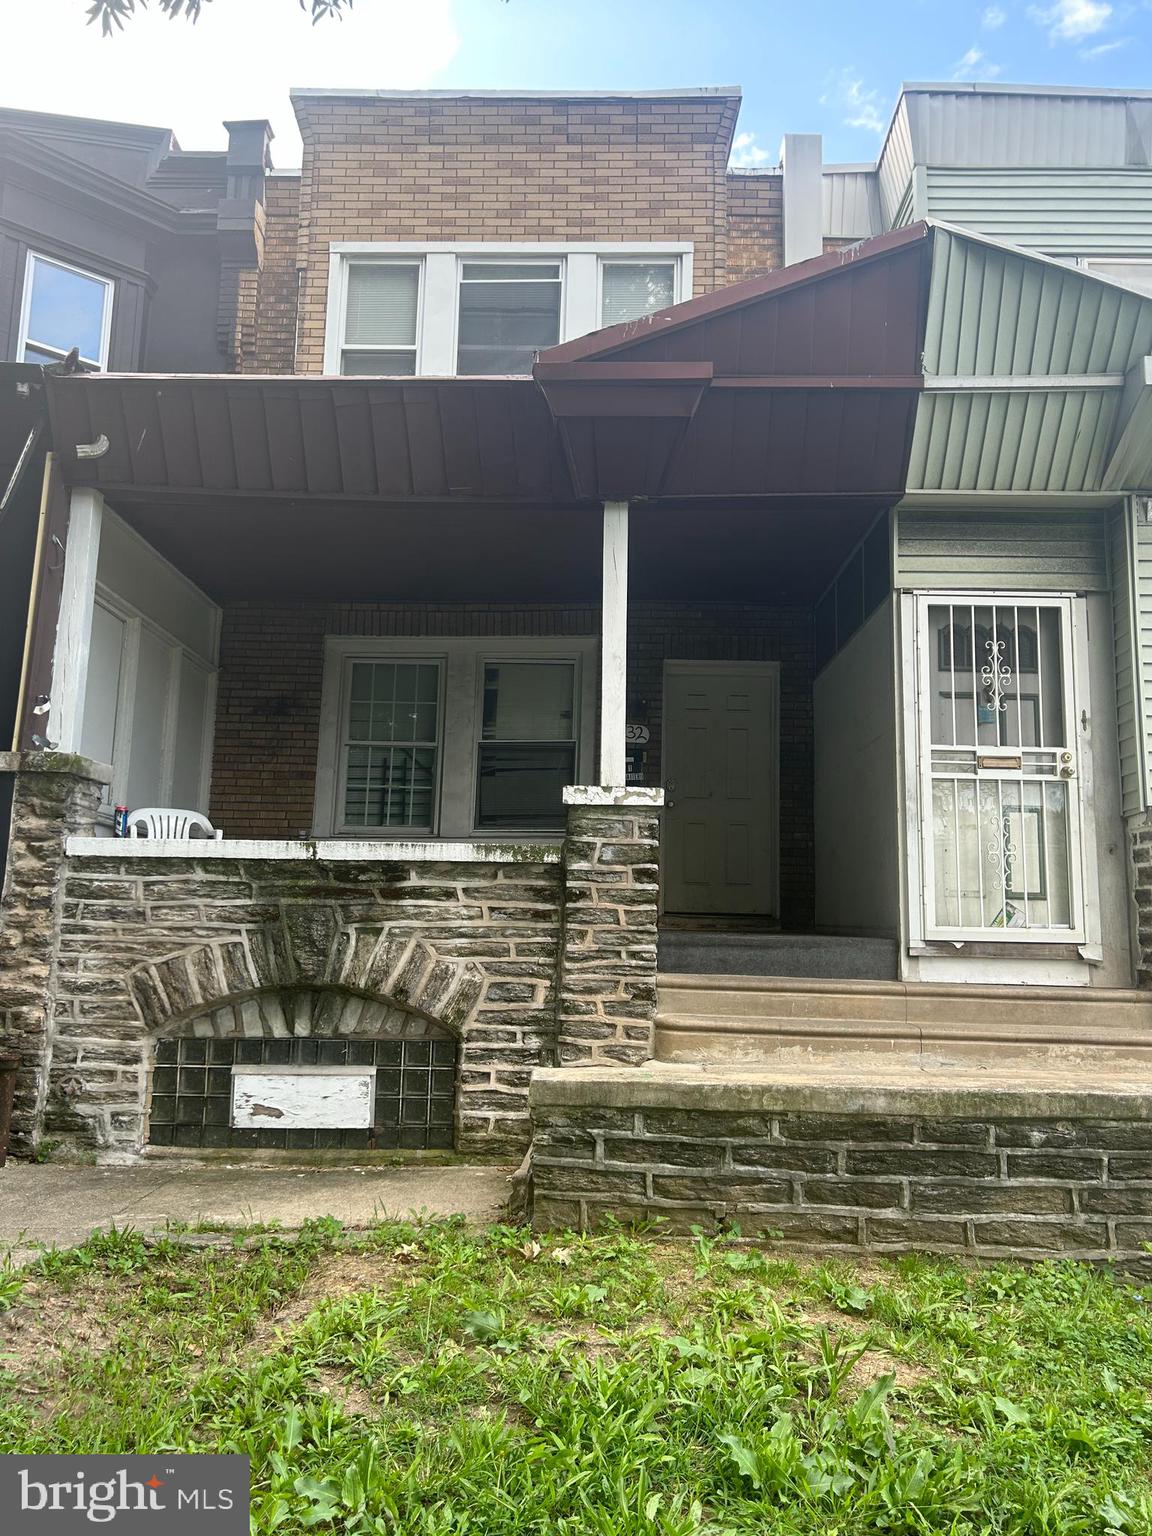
(720, 777)
(1000, 769)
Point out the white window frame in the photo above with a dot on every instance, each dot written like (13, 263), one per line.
(407, 832)
(342, 346)
(461, 660)
(441, 260)
(23, 338)
(480, 261)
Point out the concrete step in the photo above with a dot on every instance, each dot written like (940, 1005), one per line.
(753, 1019)
(685, 951)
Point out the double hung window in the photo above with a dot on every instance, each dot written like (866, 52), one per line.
(527, 750)
(391, 741)
(508, 311)
(64, 307)
(381, 317)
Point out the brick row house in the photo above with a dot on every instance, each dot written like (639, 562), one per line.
(615, 609)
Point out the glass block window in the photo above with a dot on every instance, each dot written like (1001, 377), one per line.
(415, 1092)
(527, 749)
(381, 317)
(392, 728)
(63, 308)
(509, 311)
(629, 289)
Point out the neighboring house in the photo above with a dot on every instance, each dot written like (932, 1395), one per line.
(543, 494)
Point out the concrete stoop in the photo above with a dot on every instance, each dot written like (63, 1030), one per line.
(753, 1019)
(858, 1152)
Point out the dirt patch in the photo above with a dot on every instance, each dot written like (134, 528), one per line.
(47, 1323)
(582, 1335)
(874, 1363)
(351, 1397)
(833, 1319)
(335, 1275)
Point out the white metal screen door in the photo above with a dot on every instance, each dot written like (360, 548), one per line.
(999, 769)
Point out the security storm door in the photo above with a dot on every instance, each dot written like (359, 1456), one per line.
(1000, 769)
(720, 776)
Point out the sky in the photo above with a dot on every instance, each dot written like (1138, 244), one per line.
(832, 67)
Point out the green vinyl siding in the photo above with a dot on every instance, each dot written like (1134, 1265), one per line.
(1125, 627)
(1011, 552)
(1061, 211)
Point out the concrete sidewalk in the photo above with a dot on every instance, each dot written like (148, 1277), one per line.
(60, 1204)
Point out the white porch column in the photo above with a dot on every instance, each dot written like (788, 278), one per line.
(74, 628)
(614, 644)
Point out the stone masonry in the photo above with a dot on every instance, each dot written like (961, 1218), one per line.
(526, 954)
(988, 1172)
(608, 949)
(53, 795)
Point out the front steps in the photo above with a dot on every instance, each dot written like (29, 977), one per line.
(728, 1020)
(714, 953)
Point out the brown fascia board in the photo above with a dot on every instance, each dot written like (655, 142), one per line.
(31, 159)
(602, 344)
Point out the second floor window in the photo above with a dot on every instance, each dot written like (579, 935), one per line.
(442, 309)
(381, 316)
(509, 311)
(63, 308)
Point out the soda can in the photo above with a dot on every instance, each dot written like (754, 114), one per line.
(120, 821)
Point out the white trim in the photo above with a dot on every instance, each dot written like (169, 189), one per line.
(338, 850)
(1003, 383)
(614, 644)
(74, 627)
(459, 657)
(440, 263)
(109, 286)
(371, 93)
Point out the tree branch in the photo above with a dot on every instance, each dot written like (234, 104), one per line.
(112, 14)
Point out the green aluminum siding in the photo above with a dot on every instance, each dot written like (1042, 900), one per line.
(1125, 627)
(1063, 212)
(1002, 551)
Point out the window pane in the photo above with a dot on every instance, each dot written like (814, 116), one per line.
(528, 701)
(66, 310)
(502, 324)
(527, 271)
(393, 701)
(379, 363)
(382, 302)
(633, 288)
(389, 787)
(522, 786)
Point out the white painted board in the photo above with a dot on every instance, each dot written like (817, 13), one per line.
(302, 1098)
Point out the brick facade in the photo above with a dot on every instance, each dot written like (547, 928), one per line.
(272, 348)
(535, 169)
(993, 1173)
(755, 224)
(271, 674)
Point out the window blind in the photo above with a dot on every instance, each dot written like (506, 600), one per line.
(382, 303)
(633, 288)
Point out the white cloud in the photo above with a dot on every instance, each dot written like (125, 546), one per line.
(1070, 20)
(861, 107)
(975, 65)
(239, 60)
(993, 18)
(1101, 49)
(747, 154)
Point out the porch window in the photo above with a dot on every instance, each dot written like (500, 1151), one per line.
(381, 316)
(390, 750)
(629, 289)
(527, 749)
(64, 307)
(509, 311)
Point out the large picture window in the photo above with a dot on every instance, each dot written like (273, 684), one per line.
(64, 307)
(452, 738)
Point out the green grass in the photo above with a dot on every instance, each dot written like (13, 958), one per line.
(427, 1380)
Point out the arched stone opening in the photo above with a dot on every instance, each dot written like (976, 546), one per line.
(314, 1057)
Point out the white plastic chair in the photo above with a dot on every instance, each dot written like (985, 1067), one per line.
(175, 826)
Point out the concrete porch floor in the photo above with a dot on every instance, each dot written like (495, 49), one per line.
(61, 1204)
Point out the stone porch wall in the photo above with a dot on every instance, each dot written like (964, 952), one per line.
(988, 1173)
(526, 954)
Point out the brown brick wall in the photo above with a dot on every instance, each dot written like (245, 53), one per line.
(532, 170)
(755, 224)
(267, 727)
(272, 339)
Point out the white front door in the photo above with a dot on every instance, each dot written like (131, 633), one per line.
(1000, 769)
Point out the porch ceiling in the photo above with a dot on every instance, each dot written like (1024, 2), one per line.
(235, 548)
